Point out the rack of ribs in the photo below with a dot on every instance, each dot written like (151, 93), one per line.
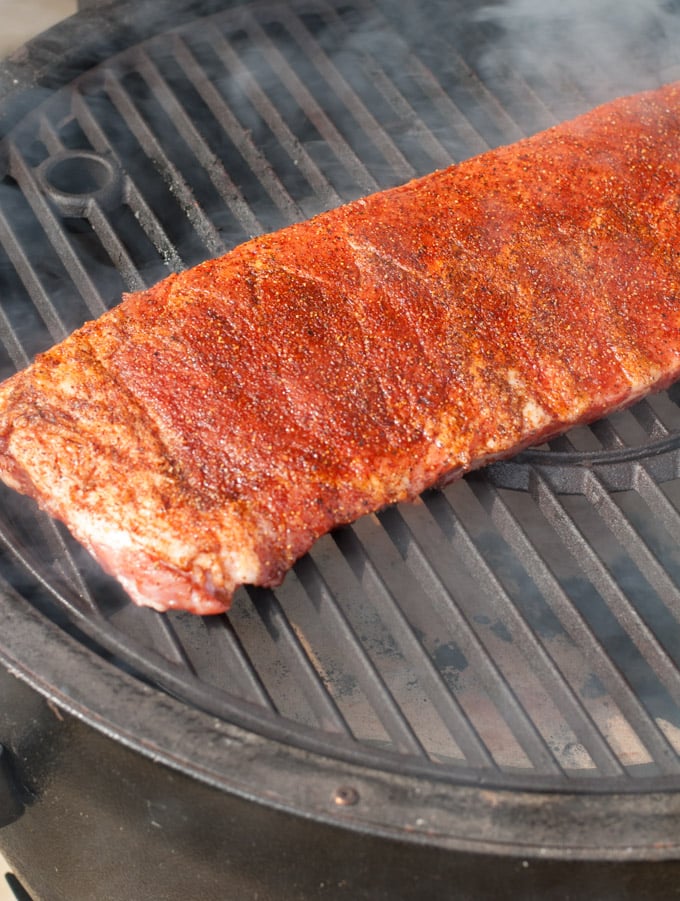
(205, 432)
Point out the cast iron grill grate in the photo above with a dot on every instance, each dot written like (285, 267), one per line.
(520, 628)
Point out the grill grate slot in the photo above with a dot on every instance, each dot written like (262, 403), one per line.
(179, 120)
(309, 107)
(631, 542)
(516, 629)
(348, 667)
(272, 116)
(363, 122)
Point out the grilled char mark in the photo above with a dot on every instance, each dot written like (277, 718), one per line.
(350, 361)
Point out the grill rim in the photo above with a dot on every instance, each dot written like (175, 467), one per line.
(95, 33)
(475, 818)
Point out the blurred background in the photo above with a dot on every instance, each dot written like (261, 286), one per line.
(22, 19)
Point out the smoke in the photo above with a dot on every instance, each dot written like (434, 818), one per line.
(603, 47)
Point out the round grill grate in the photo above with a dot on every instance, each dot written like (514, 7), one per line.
(520, 628)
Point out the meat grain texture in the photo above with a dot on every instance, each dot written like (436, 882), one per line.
(204, 433)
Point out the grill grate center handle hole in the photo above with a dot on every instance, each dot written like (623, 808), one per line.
(74, 178)
(79, 175)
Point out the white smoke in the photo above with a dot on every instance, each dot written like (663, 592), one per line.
(596, 44)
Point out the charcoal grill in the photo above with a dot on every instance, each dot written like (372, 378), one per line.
(488, 673)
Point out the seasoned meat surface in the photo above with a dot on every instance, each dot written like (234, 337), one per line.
(205, 432)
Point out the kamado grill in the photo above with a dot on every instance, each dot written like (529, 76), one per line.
(476, 695)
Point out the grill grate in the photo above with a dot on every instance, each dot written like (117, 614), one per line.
(520, 628)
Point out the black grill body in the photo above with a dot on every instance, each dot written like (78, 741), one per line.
(492, 670)
(103, 821)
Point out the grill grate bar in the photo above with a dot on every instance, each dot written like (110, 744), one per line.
(153, 148)
(294, 654)
(168, 642)
(181, 639)
(514, 92)
(618, 603)
(242, 139)
(456, 121)
(241, 678)
(208, 160)
(25, 178)
(523, 636)
(575, 625)
(440, 156)
(399, 165)
(665, 513)
(36, 290)
(99, 222)
(649, 419)
(333, 621)
(431, 145)
(79, 599)
(630, 539)
(642, 413)
(133, 196)
(266, 109)
(11, 343)
(390, 590)
(313, 110)
(495, 122)
(512, 96)
(108, 237)
(68, 563)
(428, 570)
(49, 136)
